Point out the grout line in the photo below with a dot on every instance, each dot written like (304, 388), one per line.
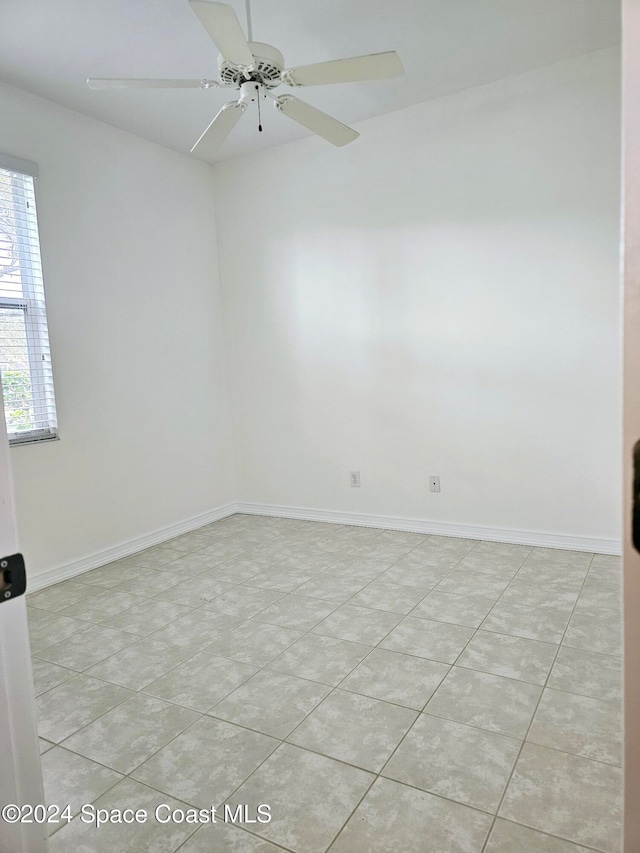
(549, 835)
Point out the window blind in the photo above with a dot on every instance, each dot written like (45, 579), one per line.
(25, 359)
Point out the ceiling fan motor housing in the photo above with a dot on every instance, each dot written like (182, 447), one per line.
(269, 64)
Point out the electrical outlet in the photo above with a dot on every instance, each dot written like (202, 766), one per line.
(354, 479)
(434, 483)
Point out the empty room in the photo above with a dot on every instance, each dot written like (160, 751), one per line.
(314, 481)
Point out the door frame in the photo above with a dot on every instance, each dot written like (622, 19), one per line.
(631, 416)
(20, 768)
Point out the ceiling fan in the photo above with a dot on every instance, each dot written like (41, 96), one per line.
(255, 68)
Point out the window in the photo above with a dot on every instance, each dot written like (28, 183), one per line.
(25, 361)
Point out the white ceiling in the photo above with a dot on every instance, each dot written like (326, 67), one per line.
(50, 47)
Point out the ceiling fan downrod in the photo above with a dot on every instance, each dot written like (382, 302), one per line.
(249, 29)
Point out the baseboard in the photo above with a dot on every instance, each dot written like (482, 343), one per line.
(412, 525)
(132, 546)
(461, 531)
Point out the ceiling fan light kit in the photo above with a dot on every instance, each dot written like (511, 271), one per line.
(255, 69)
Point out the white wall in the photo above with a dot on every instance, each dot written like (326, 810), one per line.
(131, 279)
(441, 297)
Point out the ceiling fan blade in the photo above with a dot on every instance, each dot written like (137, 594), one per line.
(135, 83)
(315, 120)
(220, 21)
(374, 66)
(220, 128)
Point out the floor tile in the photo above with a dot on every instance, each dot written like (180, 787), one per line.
(225, 838)
(149, 583)
(206, 763)
(506, 549)
(190, 542)
(553, 576)
(131, 732)
(365, 570)
(554, 556)
(487, 701)
(222, 550)
(243, 601)
(393, 817)
(110, 576)
(256, 643)
(366, 567)
(332, 586)
(192, 565)
(44, 745)
(195, 592)
(384, 595)
(296, 611)
(499, 565)
(536, 594)
(404, 537)
(531, 623)
(184, 544)
(594, 635)
(600, 603)
(513, 657)
(394, 677)
(389, 550)
(139, 664)
(467, 610)
(354, 728)
(101, 606)
(428, 639)
(196, 630)
(449, 545)
(52, 629)
(146, 617)
(459, 762)
(587, 673)
(271, 702)
(35, 615)
(282, 579)
(155, 557)
(149, 837)
(86, 648)
(47, 675)
(590, 809)
(239, 569)
(295, 782)
(358, 624)
(61, 595)
(72, 705)
(72, 780)
(498, 553)
(603, 579)
(201, 681)
(607, 561)
(418, 574)
(579, 725)
(323, 659)
(470, 582)
(507, 837)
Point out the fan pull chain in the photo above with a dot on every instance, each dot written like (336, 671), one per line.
(259, 117)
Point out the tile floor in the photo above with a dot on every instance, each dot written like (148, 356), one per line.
(380, 691)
